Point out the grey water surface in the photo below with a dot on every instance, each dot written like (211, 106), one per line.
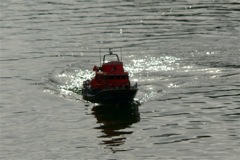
(184, 55)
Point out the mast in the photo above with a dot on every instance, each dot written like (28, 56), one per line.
(110, 51)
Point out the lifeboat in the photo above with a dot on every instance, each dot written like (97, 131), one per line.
(111, 84)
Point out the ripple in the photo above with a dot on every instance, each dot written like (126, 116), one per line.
(183, 140)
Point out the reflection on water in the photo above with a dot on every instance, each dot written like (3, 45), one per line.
(113, 120)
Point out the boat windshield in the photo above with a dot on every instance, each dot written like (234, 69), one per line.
(110, 57)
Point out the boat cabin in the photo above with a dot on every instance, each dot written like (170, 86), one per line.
(111, 74)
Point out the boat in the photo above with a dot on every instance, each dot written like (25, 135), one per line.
(111, 84)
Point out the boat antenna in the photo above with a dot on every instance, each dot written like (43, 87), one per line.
(121, 53)
(100, 57)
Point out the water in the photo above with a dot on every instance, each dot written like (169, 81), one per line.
(184, 55)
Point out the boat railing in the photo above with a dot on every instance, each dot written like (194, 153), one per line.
(108, 87)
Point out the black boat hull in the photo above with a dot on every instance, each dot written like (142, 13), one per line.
(110, 96)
